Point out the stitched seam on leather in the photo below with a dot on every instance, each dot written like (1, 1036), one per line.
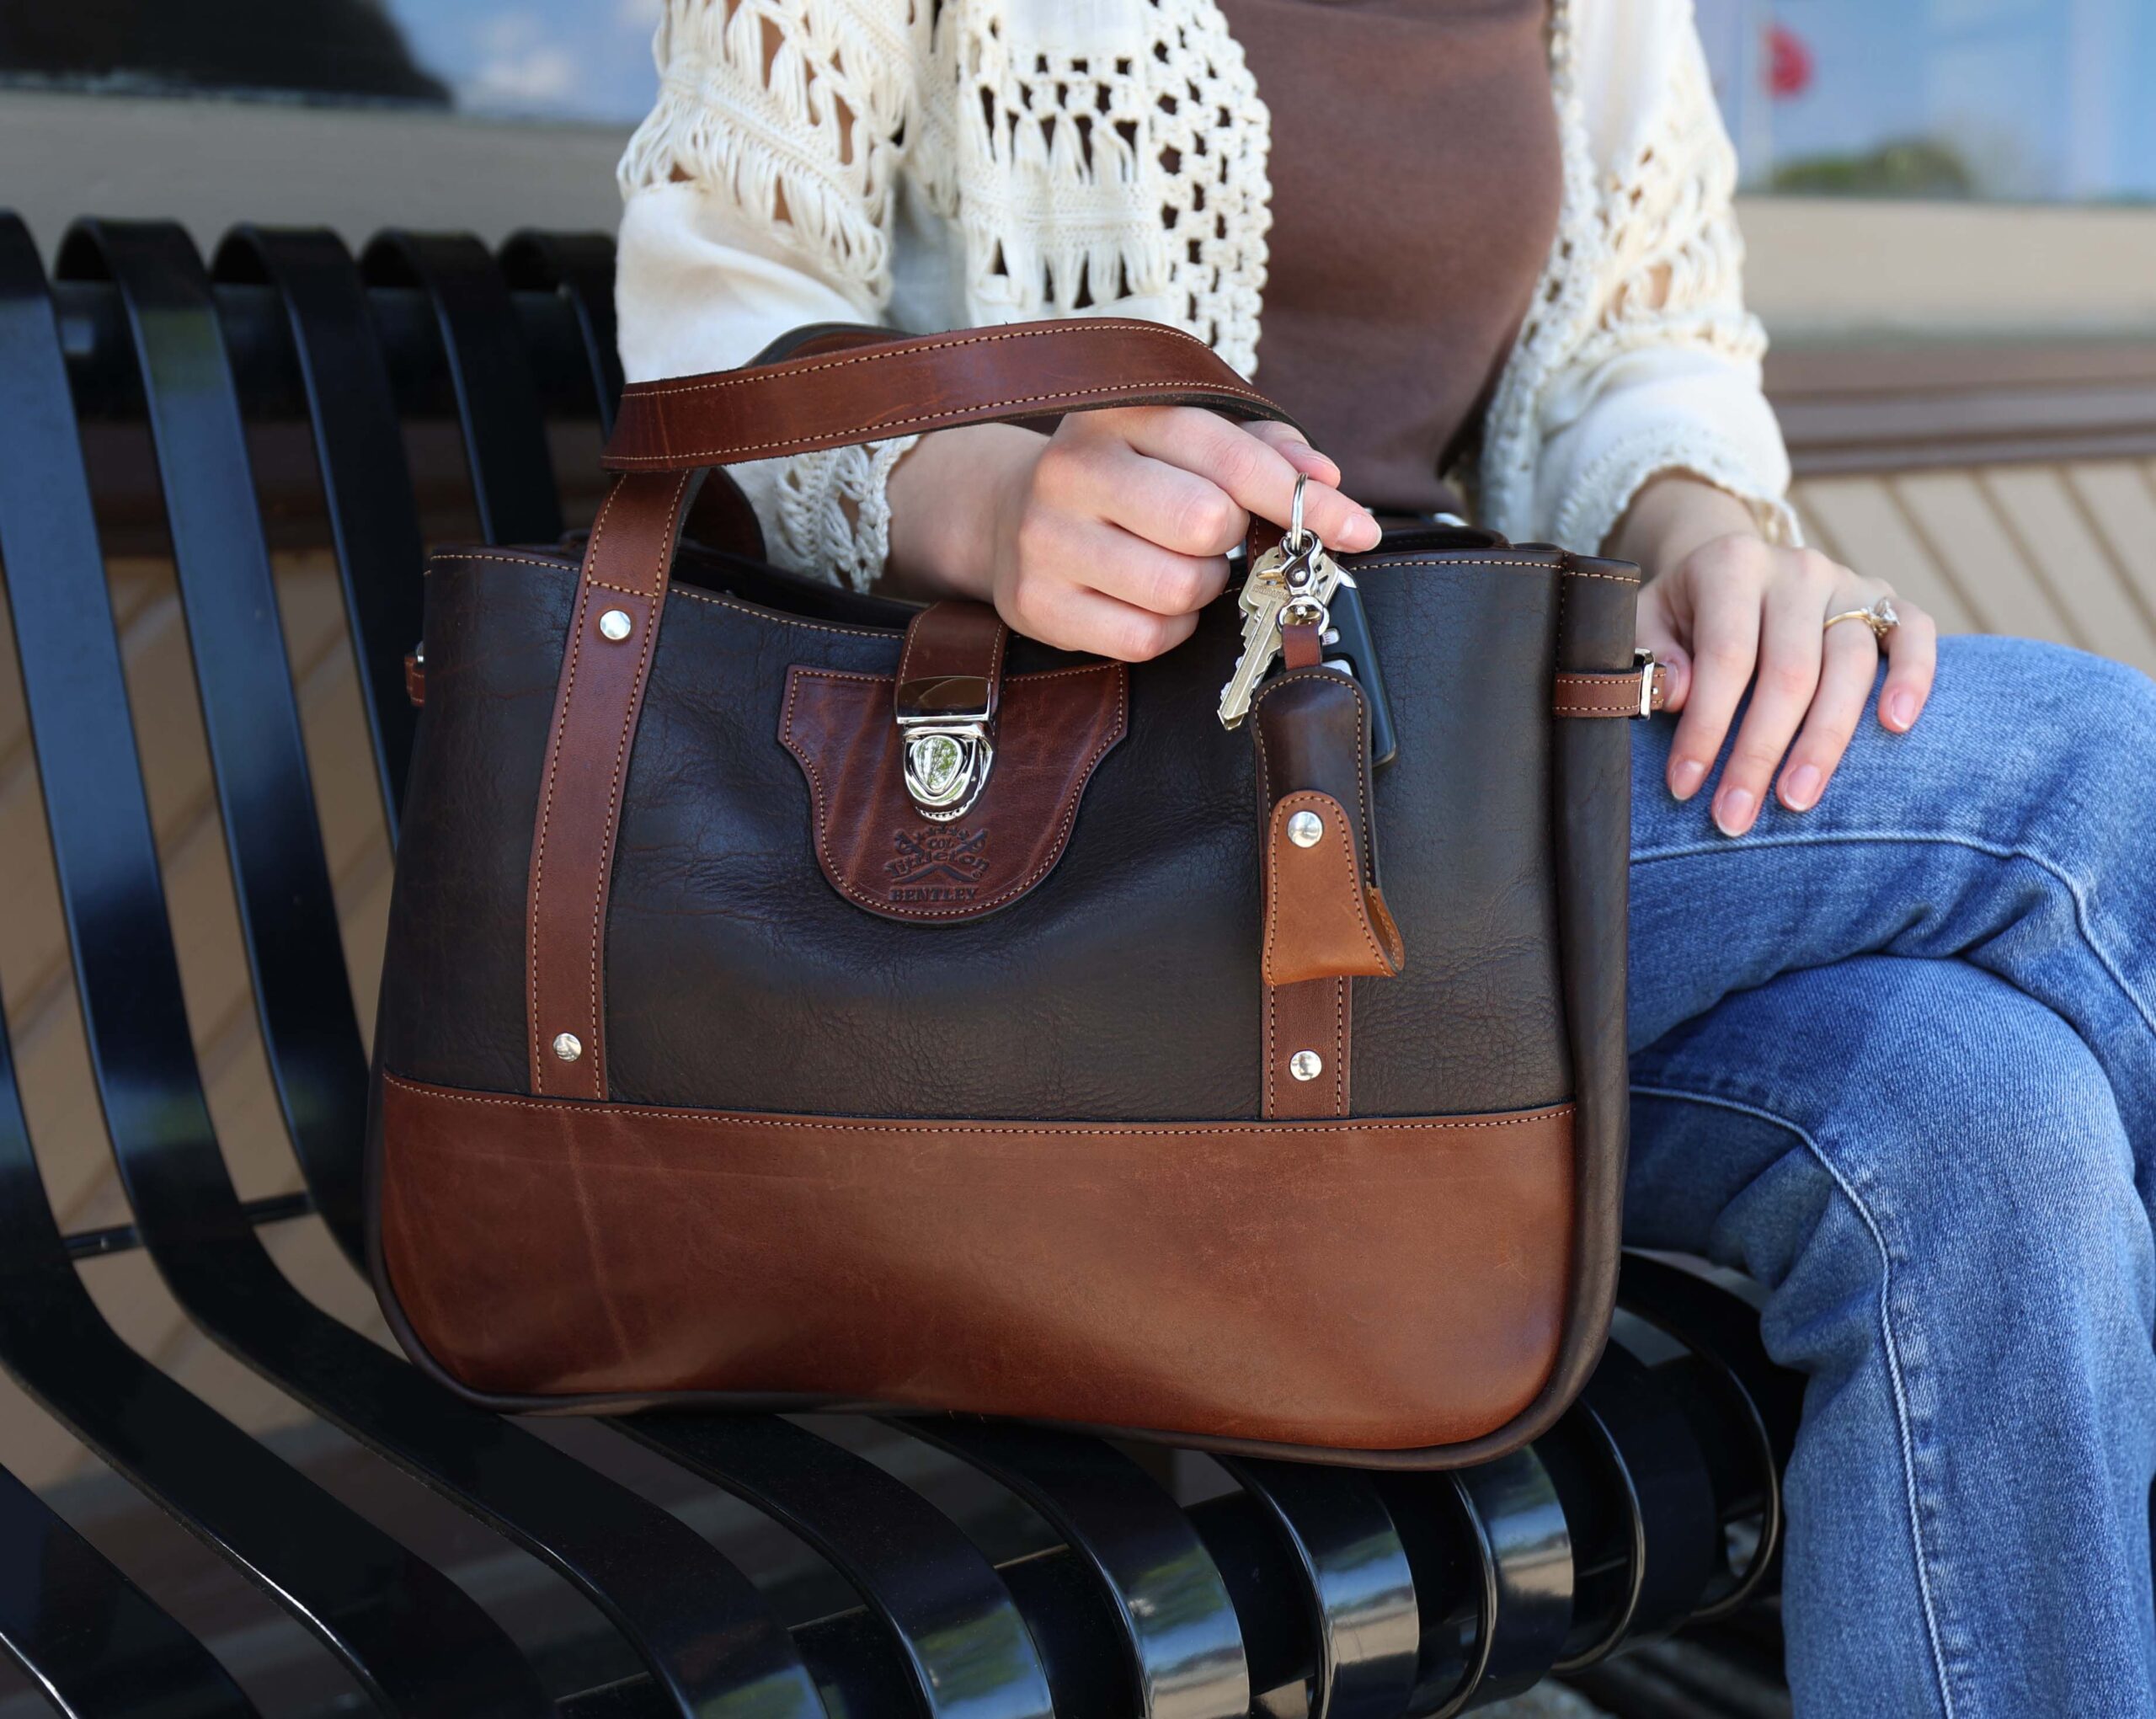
(1438, 558)
(905, 653)
(1272, 1047)
(714, 598)
(882, 354)
(756, 614)
(1440, 1125)
(1339, 1047)
(1573, 689)
(612, 822)
(1012, 892)
(897, 426)
(518, 560)
(1361, 740)
(553, 772)
(1030, 676)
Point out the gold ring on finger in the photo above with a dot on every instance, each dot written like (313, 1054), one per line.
(1879, 617)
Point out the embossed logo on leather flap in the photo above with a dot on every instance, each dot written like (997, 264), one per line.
(875, 846)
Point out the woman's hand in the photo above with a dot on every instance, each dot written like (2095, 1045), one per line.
(1109, 535)
(1725, 610)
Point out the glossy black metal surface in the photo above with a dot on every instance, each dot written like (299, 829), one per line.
(1727, 1383)
(504, 436)
(1348, 1560)
(95, 1646)
(1184, 1646)
(416, 1643)
(1642, 1515)
(366, 484)
(295, 955)
(708, 1638)
(579, 267)
(958, 1634)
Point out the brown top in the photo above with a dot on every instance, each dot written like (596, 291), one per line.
(1417, 174)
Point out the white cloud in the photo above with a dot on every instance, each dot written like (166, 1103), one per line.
(641, 16)
(518, 68)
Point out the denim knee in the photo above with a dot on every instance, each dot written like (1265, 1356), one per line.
(2053, 745)
(1884, 1117)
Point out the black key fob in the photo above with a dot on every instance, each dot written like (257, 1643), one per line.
(1349, 646)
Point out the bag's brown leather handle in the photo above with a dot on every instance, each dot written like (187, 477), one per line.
(846, 389)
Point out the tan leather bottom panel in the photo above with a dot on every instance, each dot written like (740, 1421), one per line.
(1378, 1283)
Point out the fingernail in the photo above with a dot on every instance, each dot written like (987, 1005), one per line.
(1733, 810)
(1363, 532)
(1801, 788)
(1901, 710)
(1685, 779)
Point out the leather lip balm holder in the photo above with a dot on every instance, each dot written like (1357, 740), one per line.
(948, 792)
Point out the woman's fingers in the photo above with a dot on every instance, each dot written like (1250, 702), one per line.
(1162, 503)
(1784, 683)
(1912, 659)
(1849, 663)
(1133, 569)
(1075, 618)
(1254, 475)
(1725, 621)
(1295, 449)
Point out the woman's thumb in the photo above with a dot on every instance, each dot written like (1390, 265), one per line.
(1657, 634)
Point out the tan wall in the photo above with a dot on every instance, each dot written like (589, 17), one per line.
(1832, 267)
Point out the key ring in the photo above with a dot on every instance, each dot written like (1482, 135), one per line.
(1298, 539)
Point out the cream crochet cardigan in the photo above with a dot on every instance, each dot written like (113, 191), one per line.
(992, 161)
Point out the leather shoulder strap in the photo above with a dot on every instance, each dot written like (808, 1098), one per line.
(867, 391)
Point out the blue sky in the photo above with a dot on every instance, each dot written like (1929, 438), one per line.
(559, 59)
(2044, 98)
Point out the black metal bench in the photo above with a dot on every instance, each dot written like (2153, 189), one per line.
(962, 1570)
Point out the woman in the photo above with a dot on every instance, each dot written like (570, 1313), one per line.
(1894, 1042)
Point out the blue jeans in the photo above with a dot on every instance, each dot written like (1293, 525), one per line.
(1896, 1059)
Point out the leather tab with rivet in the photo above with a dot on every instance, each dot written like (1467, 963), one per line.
(1322, 920)
(1312, 734)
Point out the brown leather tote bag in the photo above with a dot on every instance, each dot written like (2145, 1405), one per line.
(721, 1063)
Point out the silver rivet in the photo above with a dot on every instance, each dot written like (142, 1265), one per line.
(568, 1046)
(1305, 829)
(1306, 1064)
(615, 624)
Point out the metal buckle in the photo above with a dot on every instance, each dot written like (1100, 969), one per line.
(1643, 665)
(947, 759)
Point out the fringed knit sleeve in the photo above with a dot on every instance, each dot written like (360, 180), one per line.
(1638, 357)
(758, 196)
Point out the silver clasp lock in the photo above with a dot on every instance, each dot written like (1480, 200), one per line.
(947, 759)
(950, 680)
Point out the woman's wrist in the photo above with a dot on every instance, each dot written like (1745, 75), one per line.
(1673, 514)
(946, 494)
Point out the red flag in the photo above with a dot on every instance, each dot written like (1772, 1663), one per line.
(1788, 62)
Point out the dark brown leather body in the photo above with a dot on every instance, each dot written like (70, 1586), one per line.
(790, 1050)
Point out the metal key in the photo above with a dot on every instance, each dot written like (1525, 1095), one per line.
(1297, 583)
(1264, 596)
